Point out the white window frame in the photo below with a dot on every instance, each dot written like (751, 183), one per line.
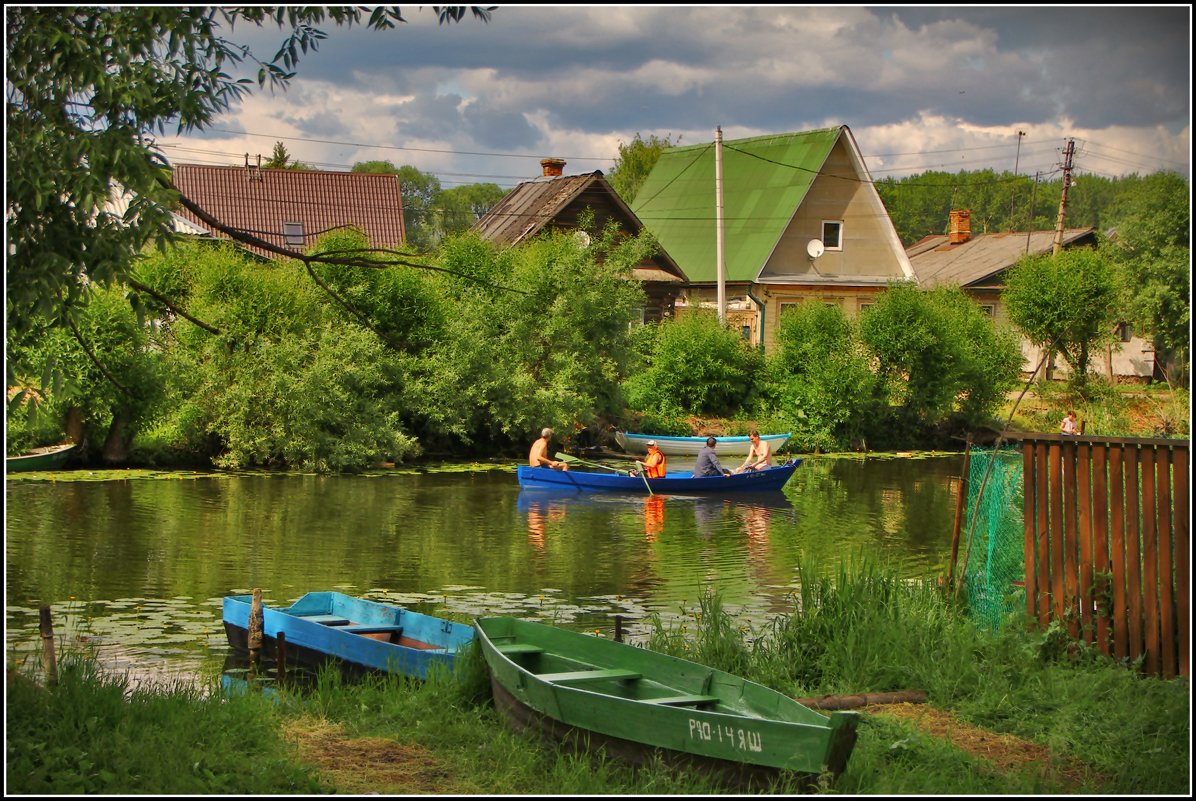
(292, 230)
(839, 244)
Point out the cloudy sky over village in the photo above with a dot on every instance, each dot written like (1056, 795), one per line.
(943, 88)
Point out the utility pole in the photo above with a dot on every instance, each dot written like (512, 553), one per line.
(718, 224)
(1013, 194)
(1067, 154)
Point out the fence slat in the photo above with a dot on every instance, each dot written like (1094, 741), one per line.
(1071, 545)
(1084, 531)
(1044, 537)
(1133, 559)
(1100, 545)
(1150, 562)
(1166, 575)
(1121, 648)
(1058, 592)
(1183, 597)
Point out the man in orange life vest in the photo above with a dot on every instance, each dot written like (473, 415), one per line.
(654, 466)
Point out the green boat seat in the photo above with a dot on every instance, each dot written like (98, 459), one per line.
(583, 676)
(519, 648)
(682, 700)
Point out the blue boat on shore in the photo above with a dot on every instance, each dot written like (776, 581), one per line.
(362, 635)
(681, 482)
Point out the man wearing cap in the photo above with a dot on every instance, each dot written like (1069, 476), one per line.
(539, 454)
(654, 463)
(708, 463)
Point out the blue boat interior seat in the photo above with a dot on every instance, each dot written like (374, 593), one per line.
(365, 628)
(327, 620)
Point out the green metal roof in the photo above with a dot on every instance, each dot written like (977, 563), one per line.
(765, 179)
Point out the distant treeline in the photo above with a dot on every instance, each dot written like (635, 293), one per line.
(919, 205)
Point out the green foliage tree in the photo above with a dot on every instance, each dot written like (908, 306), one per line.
(289, 379)
(1066, 302)
(1152, 219)
(462, 206)
(280, 159)
(635, 160)
(822, 383)
(537, 336)
(111, 380)
(88, 87)
(939, 355)
(421, 197)
(698, 366)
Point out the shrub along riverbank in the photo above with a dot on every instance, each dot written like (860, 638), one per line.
(1087, 724)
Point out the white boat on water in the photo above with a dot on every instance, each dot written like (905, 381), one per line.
(690, 446)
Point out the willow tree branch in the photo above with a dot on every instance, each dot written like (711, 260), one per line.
(168, 303)
(357, 315)
(95, 360)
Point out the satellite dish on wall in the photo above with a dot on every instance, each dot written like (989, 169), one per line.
(815, 248)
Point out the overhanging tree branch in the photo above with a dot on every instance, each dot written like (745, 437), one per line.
(165, 301)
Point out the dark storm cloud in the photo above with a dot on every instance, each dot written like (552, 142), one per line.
(536, 78)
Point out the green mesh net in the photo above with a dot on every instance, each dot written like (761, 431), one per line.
(994, 571)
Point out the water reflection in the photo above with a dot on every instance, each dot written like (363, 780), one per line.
(142, 565)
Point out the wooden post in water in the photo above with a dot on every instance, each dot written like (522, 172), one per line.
(961, 505)
(280, 641)
(49, 659)
(618, 628)
(255, 626)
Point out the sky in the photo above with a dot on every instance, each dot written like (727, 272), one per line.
(920, 87)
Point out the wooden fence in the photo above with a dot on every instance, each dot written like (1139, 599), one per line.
(1107, 544)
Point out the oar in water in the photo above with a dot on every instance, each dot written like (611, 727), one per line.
(644, 474)
(564, 457)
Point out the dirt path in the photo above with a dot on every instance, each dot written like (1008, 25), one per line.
(370, 765)
(1006, 753)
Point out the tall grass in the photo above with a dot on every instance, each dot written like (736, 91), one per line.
(93, 733)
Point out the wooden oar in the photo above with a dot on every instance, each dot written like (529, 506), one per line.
(564, 457)
(644, 474)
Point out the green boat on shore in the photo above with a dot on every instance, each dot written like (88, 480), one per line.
(50, 457)
(638, 705)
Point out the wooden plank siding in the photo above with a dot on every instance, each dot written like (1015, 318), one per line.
(1106, 544)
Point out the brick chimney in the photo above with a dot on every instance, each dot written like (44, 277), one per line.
(961, 227)
(553, 167)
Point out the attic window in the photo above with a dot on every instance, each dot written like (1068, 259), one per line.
(832, 234)
(292, 233)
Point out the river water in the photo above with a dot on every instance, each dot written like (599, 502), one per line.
(136, 567)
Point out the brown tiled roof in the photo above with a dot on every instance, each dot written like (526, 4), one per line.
(260, 201)
(983, 257)
(535, 205)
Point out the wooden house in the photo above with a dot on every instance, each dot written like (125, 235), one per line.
(978, 264)
(556, 200)
(802, 223)
(291, 209)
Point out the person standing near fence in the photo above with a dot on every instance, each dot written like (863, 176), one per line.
(1068, 426)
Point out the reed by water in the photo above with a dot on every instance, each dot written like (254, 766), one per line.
(1098, 726)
